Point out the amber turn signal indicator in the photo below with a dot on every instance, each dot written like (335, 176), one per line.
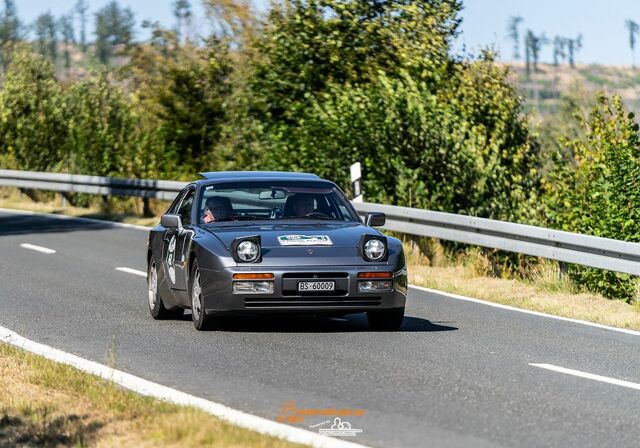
(253, 276)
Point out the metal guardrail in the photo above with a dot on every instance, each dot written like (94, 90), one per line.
(586, 250)
(104, 186)
(603, 253)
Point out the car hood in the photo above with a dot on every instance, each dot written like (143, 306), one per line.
(342, 234)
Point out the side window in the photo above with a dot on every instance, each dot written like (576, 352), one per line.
(185, 207)
(173, 209)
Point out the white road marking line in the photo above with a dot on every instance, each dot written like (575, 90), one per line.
(144, 387)
(41, 249)
(520, 310)
(589, 376)
(77, 218)
(132, 271)
(420, 288)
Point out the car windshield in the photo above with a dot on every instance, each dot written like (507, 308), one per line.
(252, 201)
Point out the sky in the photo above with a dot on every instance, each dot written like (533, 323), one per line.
(601, 22)
(160, 10)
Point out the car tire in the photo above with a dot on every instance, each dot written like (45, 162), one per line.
(386, 320)
(157, 309)
(201, 321)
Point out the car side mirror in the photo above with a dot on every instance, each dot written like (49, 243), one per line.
(171, 221)
(376, 219)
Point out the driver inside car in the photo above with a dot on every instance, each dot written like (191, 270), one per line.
(302, 204)
(217, 208)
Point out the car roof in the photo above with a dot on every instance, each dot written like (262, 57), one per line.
(257, 175)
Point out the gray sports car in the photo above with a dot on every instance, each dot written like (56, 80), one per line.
(272, 242)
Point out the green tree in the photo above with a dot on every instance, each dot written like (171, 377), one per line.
(337, 82)
(514, 34)
(65, 24)
(114, 28)
(46, 31)
(32, 128)
(595, 189)
(573, 46)
(633, 29)
(534, 46)
(11, 30)
(182, 92)
(478, 160)
(102, 135)
(182, 13)
(81, 8)
(559, 44)
(10, 25)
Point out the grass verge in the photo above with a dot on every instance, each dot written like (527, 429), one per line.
(545, 289)
(125, 210)
(44, 403)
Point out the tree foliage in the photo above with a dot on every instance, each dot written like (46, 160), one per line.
(102, 128)
(88, 126)
(46, 33)
(81, 8)
(340, 82)
(114, 28)
(182, 89)
(31, 109)
(595, 188)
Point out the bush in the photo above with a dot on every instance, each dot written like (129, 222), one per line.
(32, 114)
(595, 189)
(102, 130)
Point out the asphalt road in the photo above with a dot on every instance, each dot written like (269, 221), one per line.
(456, 374)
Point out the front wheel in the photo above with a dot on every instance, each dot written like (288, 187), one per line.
(201, 321)
(386, 320)
(156, 305)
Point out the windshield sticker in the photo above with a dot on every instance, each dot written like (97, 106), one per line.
(305, 240)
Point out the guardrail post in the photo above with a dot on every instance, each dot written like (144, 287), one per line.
(146, 208)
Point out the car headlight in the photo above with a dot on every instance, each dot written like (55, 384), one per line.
(374, 249)
(248, 251)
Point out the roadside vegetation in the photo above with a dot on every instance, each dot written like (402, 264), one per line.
(43, 403)
(541, 286)
(316, 85)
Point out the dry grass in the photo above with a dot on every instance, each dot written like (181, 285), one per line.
(545, 289)
(43, 403)
(120, 210)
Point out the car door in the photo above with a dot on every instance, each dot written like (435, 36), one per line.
(183, 241)
(177, 242)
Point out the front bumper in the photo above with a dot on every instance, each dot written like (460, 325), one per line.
(218, 295)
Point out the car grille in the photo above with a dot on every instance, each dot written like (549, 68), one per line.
(316, 301)
(315, 275)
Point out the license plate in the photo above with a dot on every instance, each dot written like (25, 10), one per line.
(316, 286)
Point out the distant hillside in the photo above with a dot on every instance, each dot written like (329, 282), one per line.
(544, 88)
